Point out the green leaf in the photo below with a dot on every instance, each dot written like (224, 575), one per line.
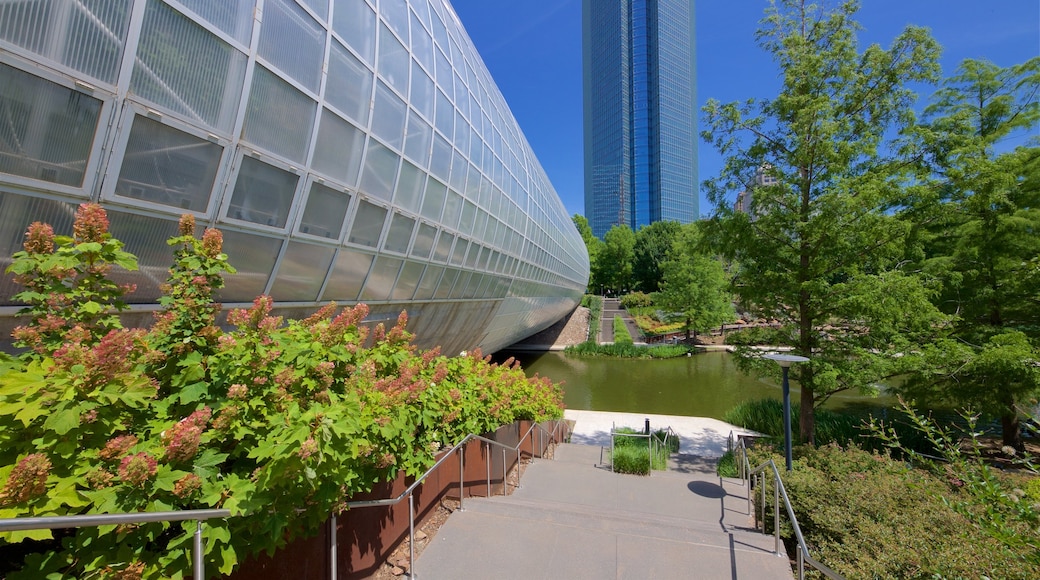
(91, 307)
(192, 393)
(63, 421)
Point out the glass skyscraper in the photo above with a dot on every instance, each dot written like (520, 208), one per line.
(350, 150)
(640, 112)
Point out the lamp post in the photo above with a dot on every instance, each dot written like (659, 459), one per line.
(785, 361)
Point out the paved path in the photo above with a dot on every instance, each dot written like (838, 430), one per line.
(572, 518)
(699, 436)
(611, 308)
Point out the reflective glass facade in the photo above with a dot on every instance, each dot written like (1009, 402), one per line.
(640, 112)
(350, 150)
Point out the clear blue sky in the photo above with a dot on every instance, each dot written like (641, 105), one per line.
(533, 50)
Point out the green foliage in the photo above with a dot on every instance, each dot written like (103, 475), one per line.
(281, 423)
(755, 336)
(621, 334)
(614, 266)
(632, 454)
(695, 286)
(866, 515)
(766, 416)
(594, 246)
(627, 350)
(595, 305)
(66, 282)
(822, 247)
(652, 245)
(727, 465)
(636, 300)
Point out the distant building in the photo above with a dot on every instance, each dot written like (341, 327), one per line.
(640, 112)
(764, 177)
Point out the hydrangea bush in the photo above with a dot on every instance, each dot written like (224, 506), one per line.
(280, 422)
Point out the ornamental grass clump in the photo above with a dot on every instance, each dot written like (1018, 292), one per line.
(280, 422)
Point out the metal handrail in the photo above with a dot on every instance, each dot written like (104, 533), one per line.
(457, 448)
(93, 520)
(779, 492)
(652, 437)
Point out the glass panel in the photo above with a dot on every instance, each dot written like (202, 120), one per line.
(325, 211)
(460, 252)
(400, 234)
(428, 285)
(234, 17)
(338, 150)
(393, 60)
(253, 256)
(395, 12)
(433, 201)
(424, 241)
(16, 213)
(349, 84)
(368, 225)
(381, 279)
(422, 43)
(293, 41)
(263, 194)
(409, 187)
(167, 166)
(380, 171)
(278, 117)
(481, 224)
(447, 281)
(356, 23)
(348, 275)
(445, 115)
(206, 87)
(452, 209)
(145, 237)
(417, 139)
(474, 254)
(469, 213)
(301, 272)
(46, 130)
(88, 35)
(444, 76)
(422, 96)
(388, 117)
(407, 281)
(320, 7)
(443, 247)
(440, 162)
(458, 171)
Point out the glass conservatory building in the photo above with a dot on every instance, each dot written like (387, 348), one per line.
(350, 150)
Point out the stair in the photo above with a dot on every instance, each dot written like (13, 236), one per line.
(573, 518)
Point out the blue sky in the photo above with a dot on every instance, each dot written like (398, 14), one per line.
(533, 50)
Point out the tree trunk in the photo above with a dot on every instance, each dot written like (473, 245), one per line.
(807, 418)
(1012, 431)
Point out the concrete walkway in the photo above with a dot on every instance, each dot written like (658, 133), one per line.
(572, 518)
(699, 436)
(611, 308)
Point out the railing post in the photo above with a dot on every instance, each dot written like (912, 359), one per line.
(504, 472)
(199, 560)
(801, 564)
(517, 486)
(333, 547)
(763, 506)
(462, 475)
(487, 463)
(411, 536)
(776, 514)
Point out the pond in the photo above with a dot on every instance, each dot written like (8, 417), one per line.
(702, 385)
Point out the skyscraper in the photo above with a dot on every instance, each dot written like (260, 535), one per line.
(640, 112)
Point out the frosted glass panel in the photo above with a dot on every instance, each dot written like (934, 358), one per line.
(279, 117)
(459, 253)
(46, 130)
(301, 272)
(409, 187)
(440, 162)
(452, 210)
(263, 194)
(253, 256)
(339, 148)
(422, 43)
(348, 275)
(443, 247)
(205, 87)
(407, 281)
(422, 96)
(293, 41)
(368, 225)
(424, 241)
(86, 35)
(326, 208)
(395, 12)
(168, 166)
(400, 234)
(16, 213)
(393, 60)
(433, 201)
(445, 115)
(380, 171)
(356, 23)
(381, 279)
(417, 140)
(320, 7)
(234, 17)
(388, 117)
(145, 237)
(428, 285)
(447, 281)
(469, 213)
(349, 84)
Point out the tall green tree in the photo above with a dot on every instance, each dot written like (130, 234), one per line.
(615, 261)
(695, 284)
(984, 241)
(653, 242)
(594, 246)
(821, 251)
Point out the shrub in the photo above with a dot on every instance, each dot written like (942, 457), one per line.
(727, 466)
(636, 300)
(621, 334)
(627, 350)
(595, 306)
(766, 416)
(754, 336)
(632, 454)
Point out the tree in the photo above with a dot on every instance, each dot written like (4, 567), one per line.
(984, 242)
(653, 242)
(615, 261)
(821, 254)
(695, 284)
(594, 246)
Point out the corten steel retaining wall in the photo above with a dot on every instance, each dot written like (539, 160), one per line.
(367, 536)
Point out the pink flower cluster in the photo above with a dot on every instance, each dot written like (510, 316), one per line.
(39, 239)
(138, 468)
(91, 223)
(112, 356)
(308, 448)
(27, 480)
(187, 486)
(117, 447)
(182, 440)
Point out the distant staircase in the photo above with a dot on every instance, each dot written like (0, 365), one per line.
(575, 519)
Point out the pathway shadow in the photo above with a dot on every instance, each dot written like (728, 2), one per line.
(707, 489)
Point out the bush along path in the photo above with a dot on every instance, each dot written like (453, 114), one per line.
(279, 422)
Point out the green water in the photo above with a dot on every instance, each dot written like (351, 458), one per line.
(702, 385)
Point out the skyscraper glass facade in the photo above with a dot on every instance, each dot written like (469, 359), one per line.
(640, 112)
(350, 150)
